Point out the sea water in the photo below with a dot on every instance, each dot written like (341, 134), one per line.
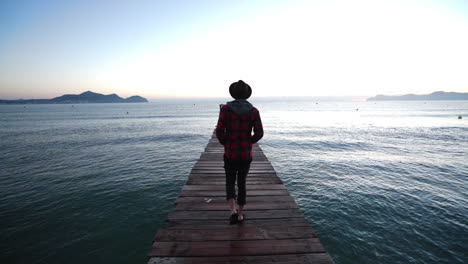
(380, 182)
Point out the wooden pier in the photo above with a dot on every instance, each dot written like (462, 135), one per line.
(198, 231)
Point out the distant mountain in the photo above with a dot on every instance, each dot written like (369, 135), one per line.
(84, 98)
(432, 96)
(136, 99)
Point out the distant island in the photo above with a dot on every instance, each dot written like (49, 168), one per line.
(84, 98)
(432, 96)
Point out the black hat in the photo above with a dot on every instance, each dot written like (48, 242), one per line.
(240, 90)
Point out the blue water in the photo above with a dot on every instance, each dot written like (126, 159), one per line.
(380, 182)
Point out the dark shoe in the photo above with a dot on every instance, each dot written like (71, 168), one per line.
(241, 221)
(233, 219)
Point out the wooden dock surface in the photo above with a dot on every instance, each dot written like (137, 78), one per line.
(198, 231)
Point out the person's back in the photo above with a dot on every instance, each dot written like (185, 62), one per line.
(234, 130)
(236, 121)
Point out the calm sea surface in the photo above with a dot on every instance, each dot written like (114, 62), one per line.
(380, 182)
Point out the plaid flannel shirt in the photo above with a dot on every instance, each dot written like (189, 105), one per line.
(235, 133)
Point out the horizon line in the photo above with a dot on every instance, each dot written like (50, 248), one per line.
(187, 97)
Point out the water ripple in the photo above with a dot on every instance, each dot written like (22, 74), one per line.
(386, 185)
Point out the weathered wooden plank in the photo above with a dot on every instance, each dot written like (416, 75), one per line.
(242, 233)
(223, 188)
(236, 248)
(209, 178)
(221, 168)
(221, 165)
(222, 199)
(214, 224)
(219, 193)
(214, 177)
(222, 172)
(221, 151)
(209, 206)
(315, 258)
(221, 162)
(217, 169)
(249, 214)
(222, 175)
(210, 156)
(250, 182)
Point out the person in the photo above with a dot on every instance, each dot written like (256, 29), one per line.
(237, 120)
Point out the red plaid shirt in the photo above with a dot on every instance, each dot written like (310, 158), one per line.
(235, 132)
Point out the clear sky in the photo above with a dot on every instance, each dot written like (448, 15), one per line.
(189, 48)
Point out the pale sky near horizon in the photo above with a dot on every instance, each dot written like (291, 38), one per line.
(197, 48)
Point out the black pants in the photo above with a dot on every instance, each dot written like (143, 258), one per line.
(236, 170)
